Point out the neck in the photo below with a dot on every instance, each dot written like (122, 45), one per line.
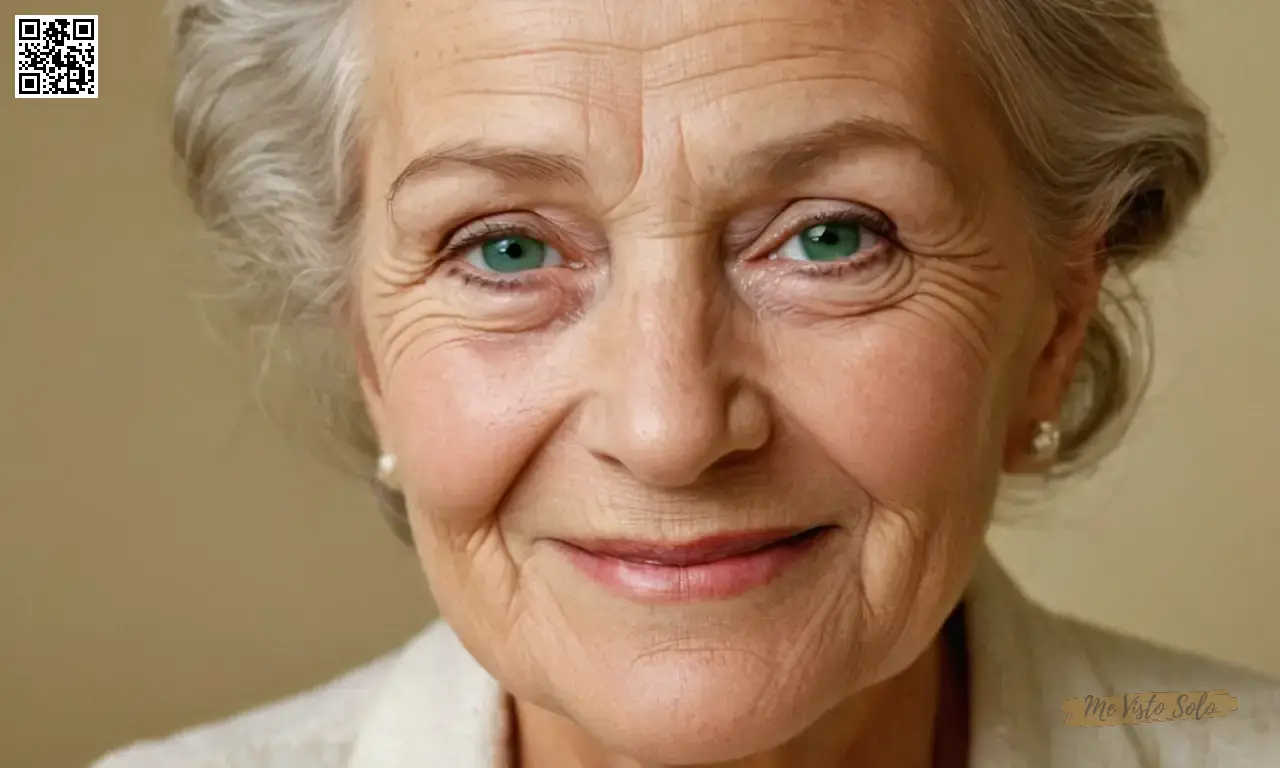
(917, 719)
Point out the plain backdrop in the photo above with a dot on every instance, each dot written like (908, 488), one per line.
(167, 557)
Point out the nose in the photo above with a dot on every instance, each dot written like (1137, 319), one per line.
(670, 402)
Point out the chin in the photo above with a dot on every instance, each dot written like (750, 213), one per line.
(701, 710)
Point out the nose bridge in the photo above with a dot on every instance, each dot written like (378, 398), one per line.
(667, 320)
(671, 305)
(669, 406)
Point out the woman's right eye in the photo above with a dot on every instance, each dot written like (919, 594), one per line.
(511, 254)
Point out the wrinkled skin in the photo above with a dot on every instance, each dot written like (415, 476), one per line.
(662, 377)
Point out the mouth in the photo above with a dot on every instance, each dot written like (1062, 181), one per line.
(713, 567)
(698, 552)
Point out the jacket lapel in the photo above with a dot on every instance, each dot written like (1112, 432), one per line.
(438, 709)
(1025, 661)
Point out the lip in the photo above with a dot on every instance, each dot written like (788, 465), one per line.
(711, 568)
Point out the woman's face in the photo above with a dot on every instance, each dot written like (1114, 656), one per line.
(643, 275)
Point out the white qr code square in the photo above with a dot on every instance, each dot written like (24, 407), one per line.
(56, 57)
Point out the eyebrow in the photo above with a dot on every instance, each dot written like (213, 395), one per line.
(509, 163)
(797, 157)
(777, 163)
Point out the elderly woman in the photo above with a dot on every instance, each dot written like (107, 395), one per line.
(694, 340)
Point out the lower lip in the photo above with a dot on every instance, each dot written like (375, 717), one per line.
(716, 580)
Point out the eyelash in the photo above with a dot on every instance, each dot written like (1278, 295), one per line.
(876, 223)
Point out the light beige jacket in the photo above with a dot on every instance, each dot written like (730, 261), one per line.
(430, 705)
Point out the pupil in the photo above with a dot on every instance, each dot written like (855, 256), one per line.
(514, 249)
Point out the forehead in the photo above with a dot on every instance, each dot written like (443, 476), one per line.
(628, 85)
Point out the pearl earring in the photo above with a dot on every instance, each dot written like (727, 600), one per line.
(1046, 440)
(388, 473)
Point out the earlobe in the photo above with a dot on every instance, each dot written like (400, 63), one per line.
(388, 472)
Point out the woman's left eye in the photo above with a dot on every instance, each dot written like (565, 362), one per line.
(829, 241)
(512, 253)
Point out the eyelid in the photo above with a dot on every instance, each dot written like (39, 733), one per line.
(488, 228)
(879, 224)
(576, 240)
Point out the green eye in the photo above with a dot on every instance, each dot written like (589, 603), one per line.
(513, 253)
(829, 241)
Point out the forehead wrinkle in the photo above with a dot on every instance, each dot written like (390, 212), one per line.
(736, 57)
(785, 68)
(694, 58)
(739, 164)
(667, 22)
(620, 82)
(474, 45)
(589, 49)
(572, 77)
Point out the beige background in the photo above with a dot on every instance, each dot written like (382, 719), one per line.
(167, 558)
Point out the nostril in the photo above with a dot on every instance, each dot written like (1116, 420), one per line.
(738, 458)
(607, 459)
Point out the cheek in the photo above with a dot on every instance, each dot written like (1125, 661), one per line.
(465, 416)
(901, 404)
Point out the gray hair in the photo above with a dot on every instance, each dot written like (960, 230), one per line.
(1107, 137)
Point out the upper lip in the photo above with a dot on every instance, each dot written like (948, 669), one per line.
(707, 549)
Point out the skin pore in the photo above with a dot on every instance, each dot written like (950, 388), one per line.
(666, 269)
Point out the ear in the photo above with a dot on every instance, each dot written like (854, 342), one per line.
(347, 316)
(371, 388)
(1077, 293)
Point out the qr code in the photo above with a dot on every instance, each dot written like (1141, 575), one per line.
(56, 57)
